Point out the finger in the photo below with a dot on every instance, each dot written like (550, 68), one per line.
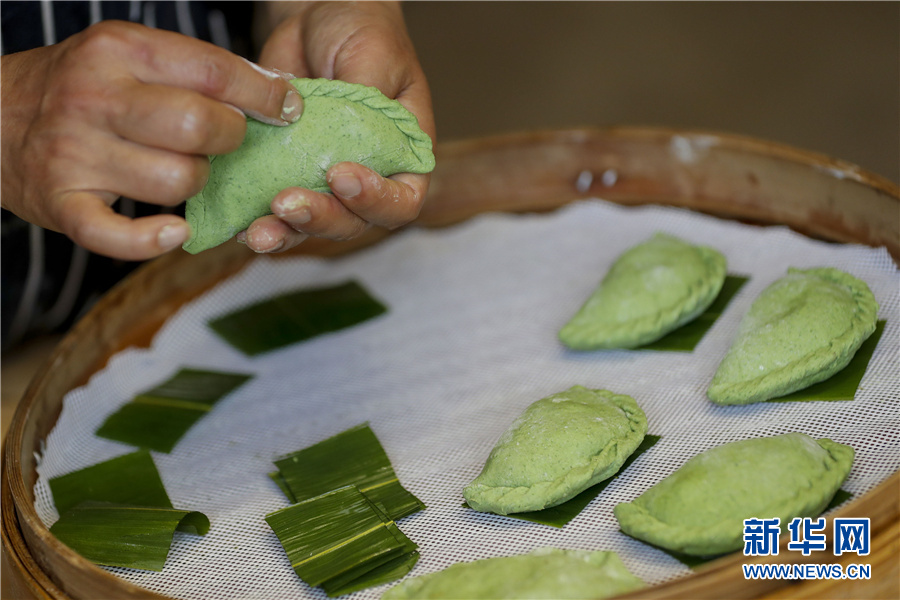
(360, 42)
(269, 234)
(388, 202)
(313, 213)
(87, 219)
(147, 174)
(166, 58)
(177, 119)
(88, 159)
(389, 64)
(377, 62)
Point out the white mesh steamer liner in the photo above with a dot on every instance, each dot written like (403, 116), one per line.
(469, 341)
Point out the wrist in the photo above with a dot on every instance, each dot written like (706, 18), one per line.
(21, 87)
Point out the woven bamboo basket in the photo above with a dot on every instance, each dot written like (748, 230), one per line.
(729, 176)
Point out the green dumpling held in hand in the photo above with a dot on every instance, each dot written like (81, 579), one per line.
(560, 446)
(341, 122)
(652, 289)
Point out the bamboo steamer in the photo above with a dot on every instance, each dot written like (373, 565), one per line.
(724, 175)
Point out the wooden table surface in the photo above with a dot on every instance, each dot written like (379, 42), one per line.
(17, 367)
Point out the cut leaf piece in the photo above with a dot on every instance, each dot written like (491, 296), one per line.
(127, 479)
(390, 571)
(542, 573)
(338, 536)
(353, 457)
(686, 337)
(296, 316)
(278, 478)
(691, 562)
(801, 330)
(158, 418)
(147, 426)
(340, 122)
(195, 387)
(125, 536)
(839, 498)
(843, 384)
(650, 290)
(561, 514)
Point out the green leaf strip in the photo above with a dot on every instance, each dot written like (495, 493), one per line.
(354, 457)
(117, 513)
(147, 426)
(198, 385)
(127, 479)
(337, 546)
(843, 384)
(125, 536)
(378, 485)
(159, 417)
(296, 316)
(364, 575)
(390, 571)
(686, 337)
(172, 402)
(278, 478)
(839, 498)
(339, 536)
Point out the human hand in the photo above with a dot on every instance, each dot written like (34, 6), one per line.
(124, 110)
(366, 43)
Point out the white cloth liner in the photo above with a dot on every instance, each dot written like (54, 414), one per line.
(469, 341)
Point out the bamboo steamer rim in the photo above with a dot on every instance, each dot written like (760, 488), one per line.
(723, 174)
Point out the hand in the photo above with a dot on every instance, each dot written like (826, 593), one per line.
(124, 110)
(358, 42)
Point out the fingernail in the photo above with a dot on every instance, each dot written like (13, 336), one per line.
(292, 107)
(173, 235)
(274, 248)
(271, 73)
(241, 237)
(267, 120)
(235, 109)
(262, 70)
(294, 208)
(346, 185)
(265, 238)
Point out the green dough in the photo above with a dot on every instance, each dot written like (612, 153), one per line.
(341, 122)
(560, 446)
(802, 329)
(700, 508)
(544, 573)
(651, 289)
